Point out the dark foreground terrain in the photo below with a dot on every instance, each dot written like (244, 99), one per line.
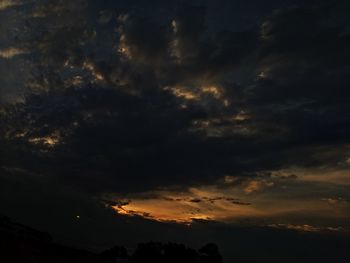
(22, 244)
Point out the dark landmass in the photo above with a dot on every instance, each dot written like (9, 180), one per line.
(22, 244)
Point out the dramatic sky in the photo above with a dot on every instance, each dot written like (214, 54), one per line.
(190, 121)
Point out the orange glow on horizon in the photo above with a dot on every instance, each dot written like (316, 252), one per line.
(184, 208)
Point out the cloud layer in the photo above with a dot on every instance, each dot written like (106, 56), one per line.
(148, 101)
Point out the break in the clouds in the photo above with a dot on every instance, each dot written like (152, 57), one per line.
(171, 104)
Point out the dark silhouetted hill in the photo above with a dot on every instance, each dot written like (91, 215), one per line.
(22, 244)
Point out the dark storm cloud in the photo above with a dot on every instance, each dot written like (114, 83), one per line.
(302, 45)
(105, 133)
(179, 48)
(110, 100)
(98, 116)
(13, 66)
(303, 84)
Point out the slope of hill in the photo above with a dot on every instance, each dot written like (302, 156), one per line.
(22, 244)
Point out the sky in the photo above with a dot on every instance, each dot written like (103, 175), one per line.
(189, 121)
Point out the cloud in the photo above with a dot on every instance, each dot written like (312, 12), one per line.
(185, 207)
(335, 201)
(139, 128)
(118, 100)
(306, 228)
(149, 115)
(302, 79)
(8, 3)
(11, 52)
(253, 186)
(144, 117)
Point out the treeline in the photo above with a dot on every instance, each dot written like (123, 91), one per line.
(156, 252)
(22, 244)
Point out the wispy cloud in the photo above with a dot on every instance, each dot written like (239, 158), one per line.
(4, 4)
(11, 52)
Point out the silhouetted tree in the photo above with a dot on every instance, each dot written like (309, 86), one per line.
(113, 254)
(148, 252)
(210, 254)
(174, 253)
